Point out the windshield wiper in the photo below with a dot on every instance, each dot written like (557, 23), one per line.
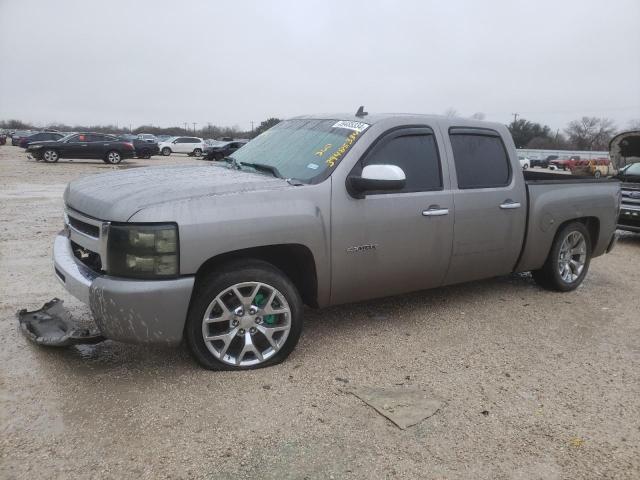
(233, 163)
(263, 167)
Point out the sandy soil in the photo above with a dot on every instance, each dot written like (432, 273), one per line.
(536, 384)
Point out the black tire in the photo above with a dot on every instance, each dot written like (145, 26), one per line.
(597, 174)
(215, 283)
(166, 151)
(549, 275)
(218, 156)
(145, 154)
(113, 157)
(50, 156)
(197, 152)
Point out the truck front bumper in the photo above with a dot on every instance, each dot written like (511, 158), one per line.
(132, 311)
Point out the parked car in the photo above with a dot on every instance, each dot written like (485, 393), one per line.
(3, 138)
(18, 135)
(222, 149)
(524, 162)
(565, 162)
(543, 163)
(40, 136)
(147, 137)
(189, 145)
(108, 148)
(162, 138)
(143, 148)
(629, 218)
(322, 210)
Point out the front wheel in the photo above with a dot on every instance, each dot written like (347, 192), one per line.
(166, 151)
(568, 261)
(50, 156)
(245, 316)
(113, 157)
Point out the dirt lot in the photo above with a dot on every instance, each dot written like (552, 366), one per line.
(536, 384)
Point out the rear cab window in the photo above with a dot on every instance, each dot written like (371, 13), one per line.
(480, 158)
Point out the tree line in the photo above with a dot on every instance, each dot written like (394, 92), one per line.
(207, 131)
(586, 133)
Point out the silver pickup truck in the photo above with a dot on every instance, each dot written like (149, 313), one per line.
(319, 210)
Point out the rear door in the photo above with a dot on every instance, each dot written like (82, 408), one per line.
(98, 145)
(490, 206)
(394, 242)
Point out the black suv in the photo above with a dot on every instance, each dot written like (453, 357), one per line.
(629, 218)
(223, 149)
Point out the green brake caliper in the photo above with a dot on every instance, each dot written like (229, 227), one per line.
(260, 300)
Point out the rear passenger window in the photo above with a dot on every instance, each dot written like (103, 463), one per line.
(416, 155)
(481, 160)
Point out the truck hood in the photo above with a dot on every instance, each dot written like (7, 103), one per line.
(116, 196)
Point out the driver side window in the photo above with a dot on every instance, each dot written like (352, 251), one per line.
(416, 154)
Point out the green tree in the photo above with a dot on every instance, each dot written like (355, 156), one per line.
(523, 132)
(266, 125)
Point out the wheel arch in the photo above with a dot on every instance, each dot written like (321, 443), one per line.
(591, 223)
(296, 261)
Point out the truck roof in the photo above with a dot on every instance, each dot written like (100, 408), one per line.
(394, 119)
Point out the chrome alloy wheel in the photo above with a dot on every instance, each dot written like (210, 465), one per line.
(572, 257)
(50, 156)
(113, 157)
(246, 324)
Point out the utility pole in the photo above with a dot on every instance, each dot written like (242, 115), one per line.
(185, 127)
(515, 117)
(194, 126)
(251, 126)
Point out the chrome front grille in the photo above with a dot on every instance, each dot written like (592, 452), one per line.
(630, 198)
(89, 234)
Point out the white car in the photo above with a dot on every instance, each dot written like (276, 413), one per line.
(189, 145)
(524, 162)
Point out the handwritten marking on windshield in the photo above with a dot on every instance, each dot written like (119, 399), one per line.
(323, 150)
(331, 161)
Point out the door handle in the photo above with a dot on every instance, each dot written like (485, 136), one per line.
(435, 211)
(510, 205)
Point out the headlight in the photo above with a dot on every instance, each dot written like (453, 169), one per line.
(143, 251)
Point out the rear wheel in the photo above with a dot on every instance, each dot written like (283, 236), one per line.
(50, 156)
(597, 174)
(568, 261)
(246, 316)
(166, 151)
(197, 152)
(113, 157)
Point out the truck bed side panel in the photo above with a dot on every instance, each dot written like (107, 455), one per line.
(553, 203)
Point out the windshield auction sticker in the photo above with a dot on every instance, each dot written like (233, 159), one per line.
(349, 125)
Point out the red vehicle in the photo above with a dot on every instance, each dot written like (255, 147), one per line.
(3, 139)
(565, 162)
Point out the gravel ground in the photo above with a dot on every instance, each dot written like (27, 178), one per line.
(536, 384)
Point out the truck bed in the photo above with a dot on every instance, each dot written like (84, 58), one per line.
(593, 200)
(542, 178)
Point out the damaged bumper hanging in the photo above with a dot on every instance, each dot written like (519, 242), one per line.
(53, 326)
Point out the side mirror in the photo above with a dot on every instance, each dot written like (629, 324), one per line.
(376, 177)
(175, 141)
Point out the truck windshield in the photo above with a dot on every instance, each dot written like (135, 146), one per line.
(302, 149)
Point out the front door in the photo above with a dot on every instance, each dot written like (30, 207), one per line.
(394, 242)
(75, 147)
(490, 204)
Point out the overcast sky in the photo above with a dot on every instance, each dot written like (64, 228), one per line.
(231, 62)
